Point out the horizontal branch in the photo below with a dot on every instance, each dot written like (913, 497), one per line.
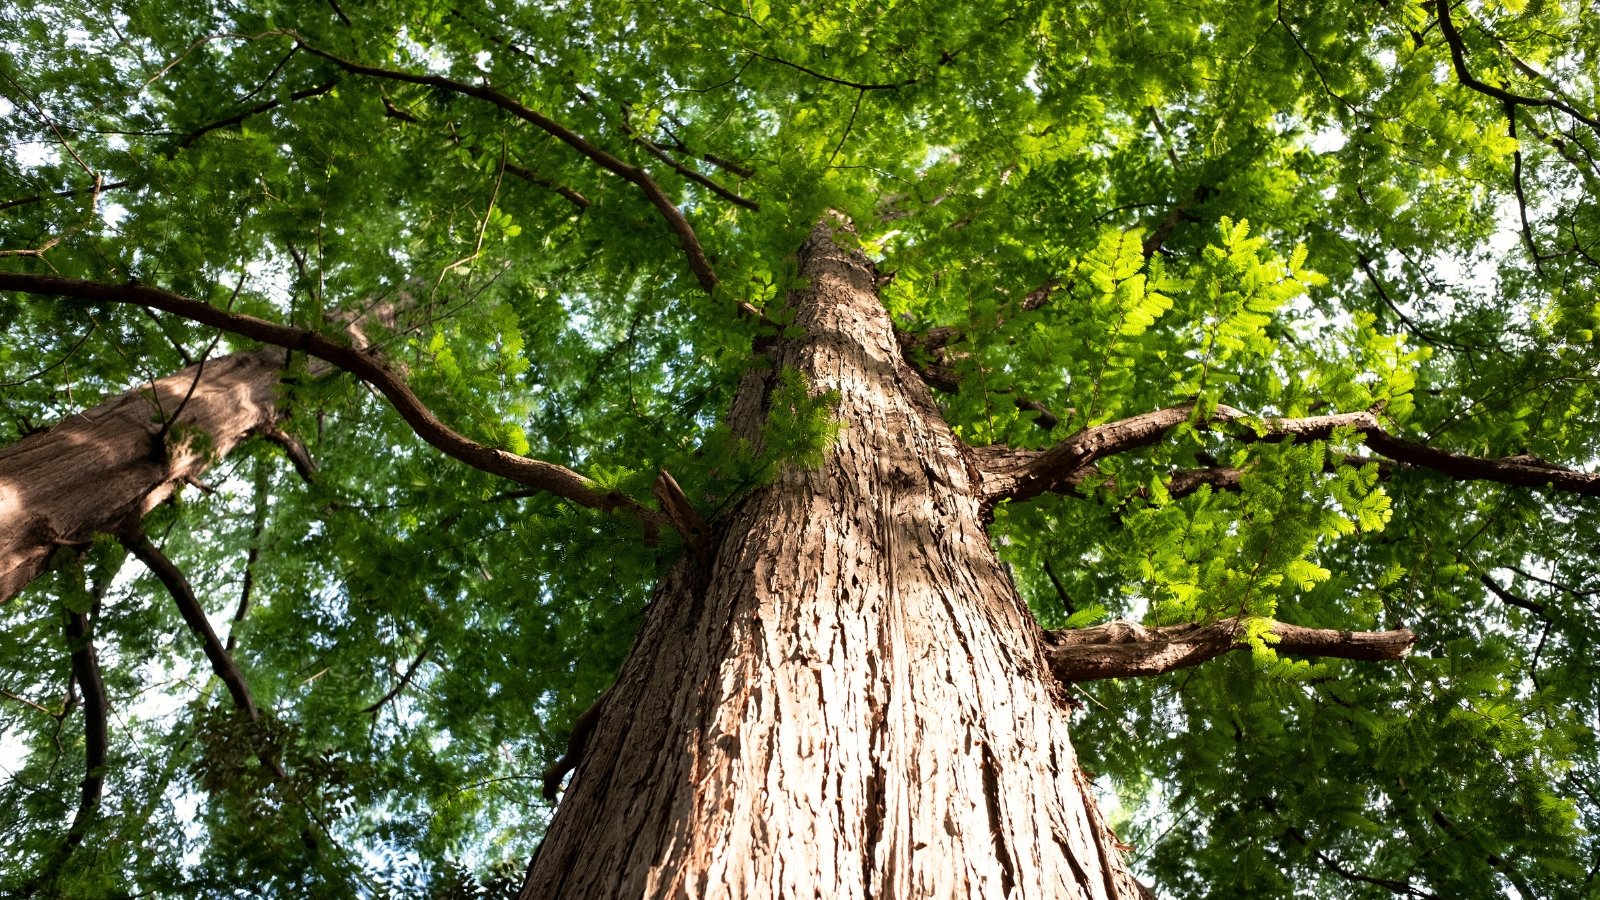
(1129, 650)
(69, 192)
(687, 239)
(1021, 474)
(548, 477)
(860, 86)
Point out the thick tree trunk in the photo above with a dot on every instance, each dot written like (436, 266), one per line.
(103, 469)
(846, 698)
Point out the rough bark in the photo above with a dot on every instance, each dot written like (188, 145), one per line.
(846, 698)
(103, 469)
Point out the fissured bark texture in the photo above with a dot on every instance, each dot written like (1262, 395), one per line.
(846, 698)
(102, 469)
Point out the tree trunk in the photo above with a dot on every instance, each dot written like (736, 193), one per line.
(845, 697)
(103, 469)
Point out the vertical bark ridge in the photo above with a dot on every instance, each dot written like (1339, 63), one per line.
(849, 700)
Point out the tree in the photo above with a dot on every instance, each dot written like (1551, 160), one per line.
(833, 425)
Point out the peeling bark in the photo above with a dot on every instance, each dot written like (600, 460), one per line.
(847, 698)
(103, 469)
(1128, 650)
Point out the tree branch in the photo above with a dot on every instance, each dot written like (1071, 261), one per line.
(195, 617)
(709, 184)
(1021, 474)
(69, 192)
(698, 263)
(726, 165)
(96, 708)
(557, 480)
(258, 525)
(889, 86)
(532, 177)
(1398, 888)
(293, 448)
(400, 685)
(1129, 650)
(1512, 599)
(314, 91)
(1458, 59)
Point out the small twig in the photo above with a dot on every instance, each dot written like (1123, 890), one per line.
(58, 363)
(199, 371)
(847, 127)
(832, 80)
(400, 685)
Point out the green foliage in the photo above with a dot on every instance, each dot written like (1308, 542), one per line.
(1291, 210)
(800, 426)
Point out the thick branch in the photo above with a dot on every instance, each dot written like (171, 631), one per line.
(1021, 474)
(698, 263)
(195, 617)
(557, 480)
(1128, 650)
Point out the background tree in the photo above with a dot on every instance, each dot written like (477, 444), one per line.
(1265, 329)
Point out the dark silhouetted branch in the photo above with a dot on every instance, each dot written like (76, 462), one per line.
(860, 86)
(96, 709)
(1458, 58)
(532, 177)
(195, 617)
(1510, 598)
(189, 139)
(70, 192)
(400, 685)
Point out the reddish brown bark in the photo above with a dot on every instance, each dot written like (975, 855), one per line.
(1129, 650)
(103, 469)
(846, 698)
